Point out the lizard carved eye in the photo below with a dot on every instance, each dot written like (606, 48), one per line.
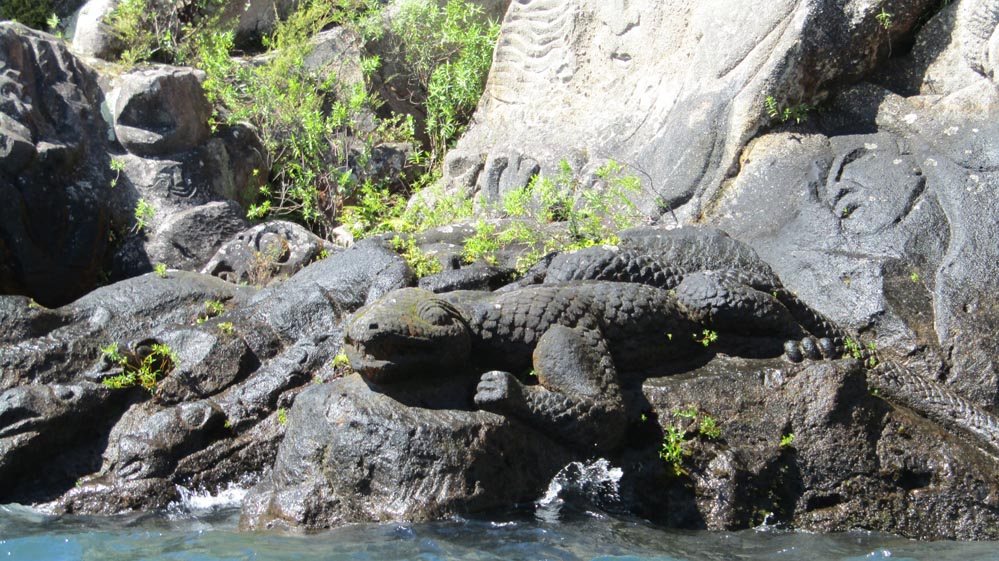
(437, 313)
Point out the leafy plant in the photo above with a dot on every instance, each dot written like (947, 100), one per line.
(706, 337)
(340, 360)
(708, 427)
(311, 124)
(914, 277)
(117, 166)
(591, 215)
(225, 327)
(784, 113)
(853, 349)
(52, 24)
(446, 53)
(282, 416)
(884, 19)
(787, 440)
(422, 264)
(137, 370)
(33, 13)
(213, 308)
(483, 245)
(144, 213)
(673, 450)
(675, 438)
(161, 270)
(161, 31)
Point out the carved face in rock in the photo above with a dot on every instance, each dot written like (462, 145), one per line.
(407, 334)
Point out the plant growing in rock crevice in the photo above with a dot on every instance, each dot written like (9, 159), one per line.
(422, 264)
(145, 368)
(674, 446)
(786, 112)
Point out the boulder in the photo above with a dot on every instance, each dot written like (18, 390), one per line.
(352, 454)
(88, 34)
(265, 253)
(187, 239)
(811, 447)
(215, 414)
(54, 170)
(160, 111)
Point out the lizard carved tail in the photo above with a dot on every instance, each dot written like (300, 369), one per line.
(901, 386)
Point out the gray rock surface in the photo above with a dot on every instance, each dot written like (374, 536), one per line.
(853, 462)
(54, 166)
(879, 215)
(89, 35)
(189, 238)
(214, 418)
(353, 454)
(266, 253)
(645, 82)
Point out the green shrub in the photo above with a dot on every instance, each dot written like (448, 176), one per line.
(309, 123)
(161, 31)
(784, 113)
(144, 213)
(422, 264)
(33, 13)
(446, 52)
(378, 210)
(591, 213)
(482, 245)
(673, 450)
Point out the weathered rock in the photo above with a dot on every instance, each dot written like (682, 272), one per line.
(848, 459)
(210, 419)
(645, 83)
(53, 170)
(89, 35)
(210, 181)
(160, 111)
(880, 216)
(266, 253)
(353, 454)
(189, 238)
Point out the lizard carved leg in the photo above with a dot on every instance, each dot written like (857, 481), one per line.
(578, 397)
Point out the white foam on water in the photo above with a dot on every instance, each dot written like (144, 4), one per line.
(596, 482)
(199, 501)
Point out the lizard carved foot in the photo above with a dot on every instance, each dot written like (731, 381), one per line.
(497, 391)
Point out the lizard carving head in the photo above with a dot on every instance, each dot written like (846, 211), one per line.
(406, 334)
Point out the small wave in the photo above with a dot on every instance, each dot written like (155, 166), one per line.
(594, 483)
(199, 501)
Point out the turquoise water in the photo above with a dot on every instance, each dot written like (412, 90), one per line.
(210, 535)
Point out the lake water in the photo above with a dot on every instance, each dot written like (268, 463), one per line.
(204, 529)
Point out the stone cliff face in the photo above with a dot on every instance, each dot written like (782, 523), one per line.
(674, 88)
